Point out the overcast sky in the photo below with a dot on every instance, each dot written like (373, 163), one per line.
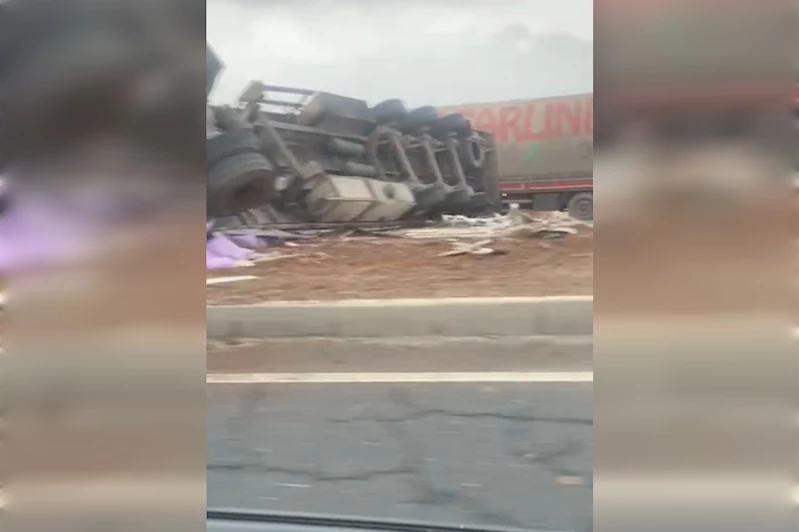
(436, 52)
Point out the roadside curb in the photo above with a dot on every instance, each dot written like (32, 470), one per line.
(369, 318)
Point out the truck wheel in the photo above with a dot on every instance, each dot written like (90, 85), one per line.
(231, 119)
(458, 197)
(239, 183)
(455, 122)
(228, 144)
(389, 111)
(473, 152)
(581, 206)
(420, 117)
(479, 203)
(428, 196)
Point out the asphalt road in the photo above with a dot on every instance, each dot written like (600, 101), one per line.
(501, 453)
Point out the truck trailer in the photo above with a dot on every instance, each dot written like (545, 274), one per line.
(544, 150)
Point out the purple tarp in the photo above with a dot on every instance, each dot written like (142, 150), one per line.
(222, 252)
(228, 251)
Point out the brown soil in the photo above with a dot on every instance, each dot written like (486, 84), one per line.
(405, 268)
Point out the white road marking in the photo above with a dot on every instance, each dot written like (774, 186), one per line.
(428, 377)
(232, 279)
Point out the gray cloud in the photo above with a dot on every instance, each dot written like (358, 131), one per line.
(425, 52)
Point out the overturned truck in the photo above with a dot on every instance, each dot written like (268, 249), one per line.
(286, 156)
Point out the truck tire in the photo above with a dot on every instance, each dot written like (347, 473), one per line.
(479, 203)
(458, 197)
(389, 111)
(347, 148)
(428, 196)
(452, 123)
(581, 206)
(420, 117)
(229, 144)
(473, 152)
(360, 169)
(239, 183)
(231, 119)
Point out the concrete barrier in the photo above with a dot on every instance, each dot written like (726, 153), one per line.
(453, 317)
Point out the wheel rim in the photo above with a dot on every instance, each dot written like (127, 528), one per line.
(585, 209)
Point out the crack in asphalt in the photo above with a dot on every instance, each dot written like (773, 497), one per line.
(421, 414)
(411, 467)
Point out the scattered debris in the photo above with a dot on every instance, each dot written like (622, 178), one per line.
(541, 225)
(516, 224)
(459, 220)
(231, 279)
(330, 268)
(489, 251)
(276, 235)
(241, 250)
(446, 233)
(468, 236)
(477, 248)
(269, 257)
(261, 258)
(539, 230)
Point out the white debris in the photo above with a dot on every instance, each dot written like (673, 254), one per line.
(467, 248)
(271, 256)
(445, 233)
(516, 216)
(232, 279)
(485, 251)
(539, 230)
(553, 224)
(515, 224)
(459, 220)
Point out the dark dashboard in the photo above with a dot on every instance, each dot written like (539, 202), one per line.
(245, 521)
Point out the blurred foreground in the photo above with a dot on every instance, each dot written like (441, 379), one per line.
(694, 340)
(102, 393)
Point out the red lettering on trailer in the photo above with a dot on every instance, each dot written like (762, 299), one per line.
(529, 134)
(535, 120)
(508, 122)
(484, 120)
(468, 113)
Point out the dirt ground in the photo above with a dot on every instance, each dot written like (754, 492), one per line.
(399, 268)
